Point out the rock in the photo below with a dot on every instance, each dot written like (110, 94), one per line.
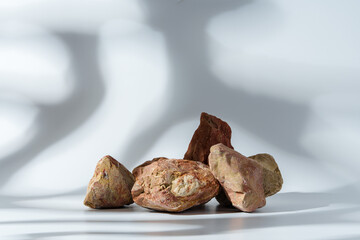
(139, 169)
(173, 185)
(211, 130)
(272, 177)
(110, 187)
(240, 177)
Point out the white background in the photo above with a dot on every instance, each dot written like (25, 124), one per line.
(80, 80)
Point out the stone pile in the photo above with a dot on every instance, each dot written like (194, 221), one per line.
(210, 168)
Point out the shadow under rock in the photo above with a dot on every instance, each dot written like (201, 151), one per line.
(204, 209)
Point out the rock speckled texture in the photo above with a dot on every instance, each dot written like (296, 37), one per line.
(110, 187)
(173, 185)
(211, 130)
(240, 177)
(272, 177)
(139, 169)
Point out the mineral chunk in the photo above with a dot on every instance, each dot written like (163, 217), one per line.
(272, 177)
(110, 187)
(240, 177)
(211, 130)
(173, 185)
(139, 169)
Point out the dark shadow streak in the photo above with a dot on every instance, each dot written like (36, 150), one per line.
(192, 87)
(56, 121)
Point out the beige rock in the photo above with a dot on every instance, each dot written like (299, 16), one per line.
(173, 185)
(139, 169)
(212, 130)
(272, 177)
(240, 177)
(110, 187)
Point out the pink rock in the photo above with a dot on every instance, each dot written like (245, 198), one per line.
(240, 177)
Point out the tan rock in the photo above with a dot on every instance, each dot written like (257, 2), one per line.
(173, 185)
(110, 187)
(211, 130)
(240, 177)
(139, 169)
(272, 176)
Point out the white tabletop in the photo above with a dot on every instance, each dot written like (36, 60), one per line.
(287, 215)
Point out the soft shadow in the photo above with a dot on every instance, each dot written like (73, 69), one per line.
(286, 209)
(217, 225)
(56, 121)
(8, 201)
(349, 237)
(192, 87)
(290, 202)
(297, 201)
(204, 209)
(123, 209)
(200, 210)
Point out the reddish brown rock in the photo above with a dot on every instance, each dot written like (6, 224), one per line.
(272, 179)
(211, 130)
(240, 177)
(272, 176)
(110, 187)
(173, 185)
(139, 169)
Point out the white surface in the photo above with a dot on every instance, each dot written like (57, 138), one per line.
(292, 215)
(130, 79)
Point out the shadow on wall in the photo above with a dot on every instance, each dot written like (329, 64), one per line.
(192, 87)
(56, 121)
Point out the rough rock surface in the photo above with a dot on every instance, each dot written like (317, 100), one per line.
(139, 169)
(173, 185)
(272, 177)
(240, 177)
(110, 187)
(211, 130)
